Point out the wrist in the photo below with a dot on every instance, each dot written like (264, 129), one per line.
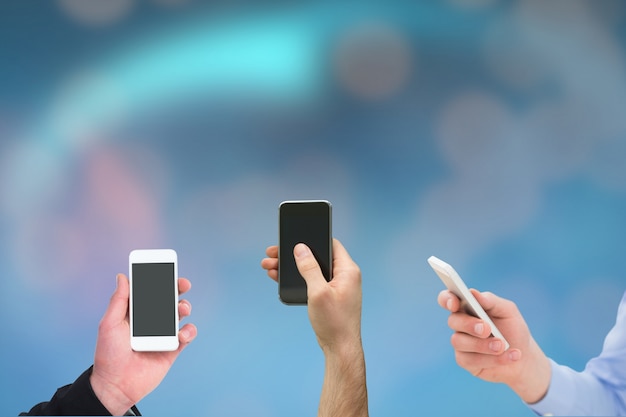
(533, 382)
(344, 349)
(109, 395)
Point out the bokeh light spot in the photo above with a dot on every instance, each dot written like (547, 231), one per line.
(373, 60)
(96, 13)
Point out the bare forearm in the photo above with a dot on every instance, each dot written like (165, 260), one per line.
(344, 393)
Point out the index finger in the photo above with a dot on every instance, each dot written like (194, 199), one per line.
(449, 301)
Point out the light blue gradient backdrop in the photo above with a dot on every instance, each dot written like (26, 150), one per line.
(491, 134)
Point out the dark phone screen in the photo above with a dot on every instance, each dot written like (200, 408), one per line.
(154, 299)
(309, 223)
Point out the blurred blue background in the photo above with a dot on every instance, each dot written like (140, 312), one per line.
(489, 133)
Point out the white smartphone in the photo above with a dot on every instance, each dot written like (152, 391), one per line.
(153, 306)
(469, 304)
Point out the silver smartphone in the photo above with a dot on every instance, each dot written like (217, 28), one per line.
(469, 304)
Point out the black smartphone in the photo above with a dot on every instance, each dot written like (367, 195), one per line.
(308, 222)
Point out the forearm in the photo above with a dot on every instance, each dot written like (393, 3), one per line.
(77, 398)
(577, 393)
(599, 389)
(344, 393)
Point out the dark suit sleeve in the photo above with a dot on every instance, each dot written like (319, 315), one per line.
(76, 399)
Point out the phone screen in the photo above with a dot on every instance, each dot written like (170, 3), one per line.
(154, 299)
(308, 222)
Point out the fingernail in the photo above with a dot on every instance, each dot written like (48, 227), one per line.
(184, 334)
(301, 250)
(449, 304)
(495, 345)
(515, 355)
(478, 328)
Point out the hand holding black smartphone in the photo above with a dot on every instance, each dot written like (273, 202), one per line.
(308, 222)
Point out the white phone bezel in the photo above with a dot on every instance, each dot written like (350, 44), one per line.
(153, 343)
(455, 284)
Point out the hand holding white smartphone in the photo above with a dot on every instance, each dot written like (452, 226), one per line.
(469, 304)
(153, 306)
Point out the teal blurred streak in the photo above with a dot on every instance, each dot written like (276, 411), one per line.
(274, 55)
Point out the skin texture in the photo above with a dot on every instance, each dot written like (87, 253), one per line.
(523, 367)
(121, 377)
(335, 314)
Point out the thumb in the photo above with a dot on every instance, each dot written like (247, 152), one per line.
(308, 267)
(496, 307)
(117, 311)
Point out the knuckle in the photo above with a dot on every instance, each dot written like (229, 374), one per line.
(511, 306)
(454, 340)
(451, 321)
(460, 359)
(318, 295)
(102, 325)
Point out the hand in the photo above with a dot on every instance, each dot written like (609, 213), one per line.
(523, 367)
(121, 377)
(334, 307)
(335, 314)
